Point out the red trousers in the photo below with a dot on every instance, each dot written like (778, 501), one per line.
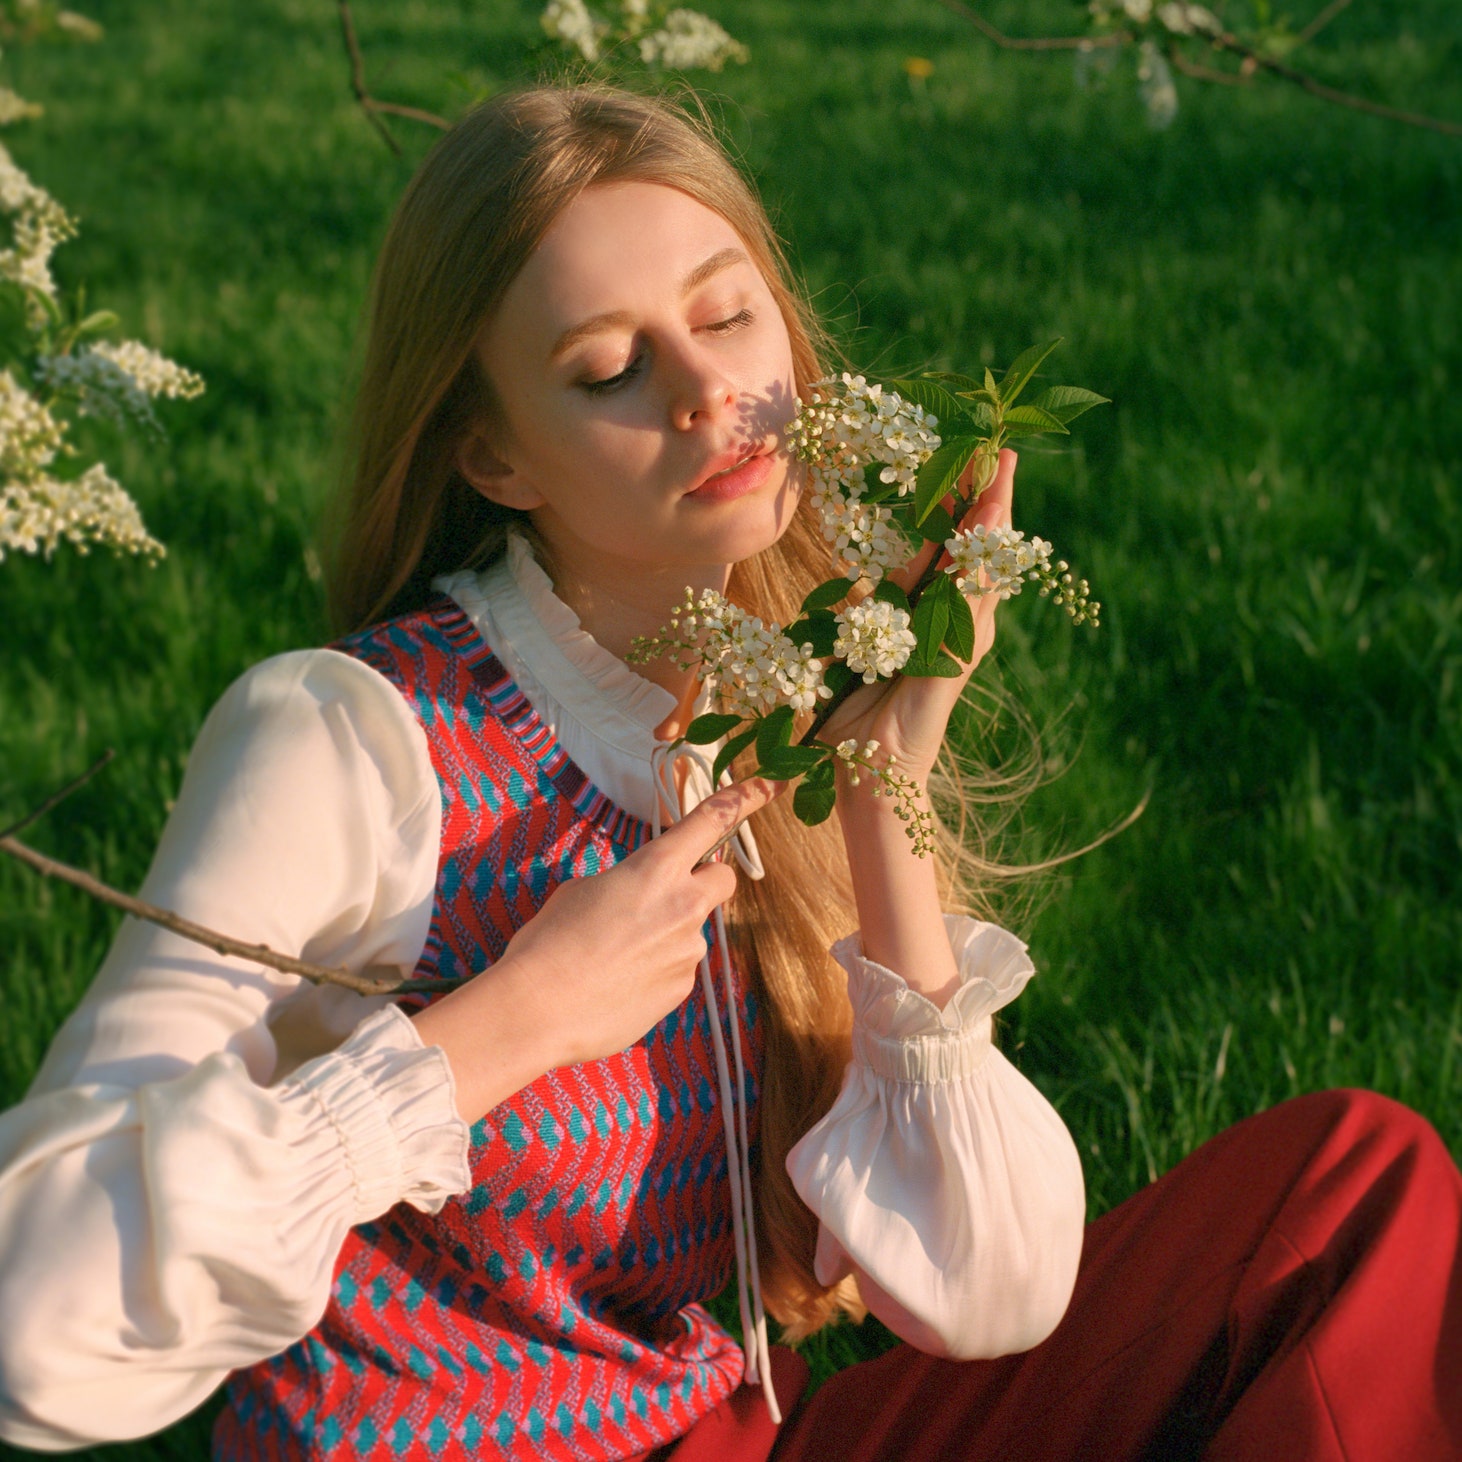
(1291, 1292)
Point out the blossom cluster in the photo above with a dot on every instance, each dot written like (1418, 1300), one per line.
(688, 41)
(38, 224)
(1000, 560)
(37, 515)
(684, 40)
(874, 638)
(893, 783)
(847, 425)
(118, 382)
(755, 665)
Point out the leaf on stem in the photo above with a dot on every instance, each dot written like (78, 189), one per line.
(1066, 403)
(710, 727)
(820, 630)
(939, 475)
(959, 638)
(773, 731)
(931, 619)
(1025, 365)
(1030, 421)
(813, 804)
(890, 593)
(952, 414)
(826, 595)
(728, 753)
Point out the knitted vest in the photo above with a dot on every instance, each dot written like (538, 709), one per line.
(553, 1310)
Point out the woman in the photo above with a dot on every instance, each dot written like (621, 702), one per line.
(487, 1227)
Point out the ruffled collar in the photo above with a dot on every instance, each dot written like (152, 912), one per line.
(596, 688)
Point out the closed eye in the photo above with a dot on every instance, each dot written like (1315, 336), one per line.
(612, 383)
(735, 322)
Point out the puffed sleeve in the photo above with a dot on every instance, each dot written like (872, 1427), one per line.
(941, 1177)
(172, 1200)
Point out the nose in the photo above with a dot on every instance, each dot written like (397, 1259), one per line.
(701, 392)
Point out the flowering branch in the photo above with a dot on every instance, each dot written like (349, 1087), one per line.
(1181, 22)
(884, 482)
(166, 919)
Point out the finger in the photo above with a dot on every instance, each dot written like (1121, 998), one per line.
(992, 507)
(712, 822)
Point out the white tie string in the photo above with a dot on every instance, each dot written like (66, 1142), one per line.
(742, 846)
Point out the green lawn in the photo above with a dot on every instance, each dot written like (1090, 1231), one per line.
(1269, 512)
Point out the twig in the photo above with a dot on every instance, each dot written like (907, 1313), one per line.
(1321, 21)
(1024, 43)
(219, 943)
(58, 797)
(1203, 73)
(369, 104)
(1223, 41)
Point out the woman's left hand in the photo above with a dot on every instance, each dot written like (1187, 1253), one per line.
(908, 715)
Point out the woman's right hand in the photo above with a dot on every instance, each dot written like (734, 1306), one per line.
(603, 961)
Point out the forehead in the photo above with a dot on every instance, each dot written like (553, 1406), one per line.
(615, 246)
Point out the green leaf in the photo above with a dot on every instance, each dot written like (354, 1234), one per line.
(1066, 403)
(98, 321)
(931, 618)
(1036, 417)
(951, 414)
(785, 762)
(822, 775)
(728, 753)
(992, 388)
(813, 805)
(826, 595)
(953, 378)
(773, 732)
(710, 727)
(890, 593)
(938, 525)
(875, 489)
(959, 638)
(836, 676)
(1022, 369)
(940, 474)
(820, 630)
(943, 665)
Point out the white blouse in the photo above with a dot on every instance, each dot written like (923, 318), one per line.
(177, 1184)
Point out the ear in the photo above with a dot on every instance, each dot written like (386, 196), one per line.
(490, 475)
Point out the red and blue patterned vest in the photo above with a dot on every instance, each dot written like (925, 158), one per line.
(554, 1309)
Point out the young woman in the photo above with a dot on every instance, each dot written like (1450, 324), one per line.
(483, 1223)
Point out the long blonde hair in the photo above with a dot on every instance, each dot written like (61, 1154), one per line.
(469, 219)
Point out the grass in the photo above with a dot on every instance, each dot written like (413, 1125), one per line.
(1269, 511)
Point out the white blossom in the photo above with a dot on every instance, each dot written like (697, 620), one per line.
(570, 23)
(688, 40)
(30, 436)
(865, 540)
(1004, 555)
(874, 638)
(15, 108)
(847, 425)
(1156, 87)
(37, 515)
(37, 225)
(118, 381)
(1188, 19)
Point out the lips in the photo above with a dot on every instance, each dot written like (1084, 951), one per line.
(732, 474)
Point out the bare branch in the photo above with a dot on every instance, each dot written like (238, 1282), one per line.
(57, 797)
(1203, 73)
(1221, 40)
(1225, 42)
(1321, 21)
(219, 943)
(369, 104)
(1023, 43)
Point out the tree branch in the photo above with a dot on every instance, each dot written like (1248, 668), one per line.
(1321, 21)
(166, 919)
(369, 104)
(1023, 43)
(1203, 73)
(58, 797)
(1223, 41)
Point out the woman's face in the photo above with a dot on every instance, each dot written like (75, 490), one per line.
(644, 376)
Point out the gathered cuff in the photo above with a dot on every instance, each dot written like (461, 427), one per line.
(391, 1102)
(902, 1035)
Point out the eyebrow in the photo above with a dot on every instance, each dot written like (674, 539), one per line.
(612, 319)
